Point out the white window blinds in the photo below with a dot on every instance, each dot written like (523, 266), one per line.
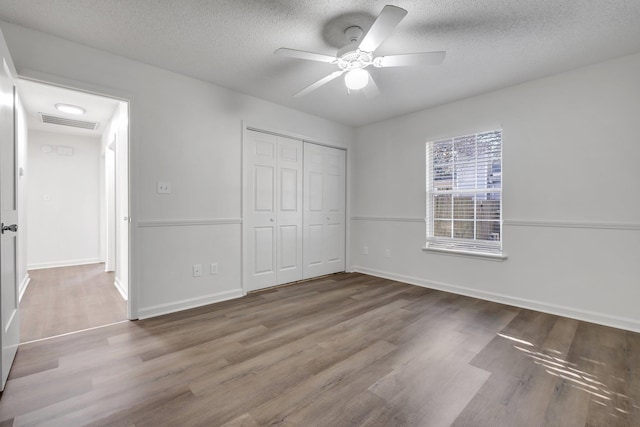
(464, 193)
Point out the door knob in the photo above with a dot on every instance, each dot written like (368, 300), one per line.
(12, 227)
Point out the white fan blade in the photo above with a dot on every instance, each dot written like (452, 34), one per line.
(301, 54)
(382, 27)
(410, 59)
(319, 83)
(371, 89)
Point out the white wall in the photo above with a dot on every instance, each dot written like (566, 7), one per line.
(185, 132)
(63, 201)
(571, 199)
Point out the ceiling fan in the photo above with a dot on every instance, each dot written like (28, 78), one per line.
(355, 57)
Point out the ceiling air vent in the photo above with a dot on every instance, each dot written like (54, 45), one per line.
(55, 120)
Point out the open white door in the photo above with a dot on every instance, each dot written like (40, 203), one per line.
(10, 333)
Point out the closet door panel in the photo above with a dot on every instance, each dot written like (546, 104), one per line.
(324, 210)
(289, 190)
(314, 246)
(289, 210)
(335, 197)
(263, 176)
(259, 227)
(288, 247)
(263, 244)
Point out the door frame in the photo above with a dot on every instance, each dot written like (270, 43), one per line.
(132, 171)
(248, 125)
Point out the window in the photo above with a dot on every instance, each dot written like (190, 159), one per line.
(464, 193)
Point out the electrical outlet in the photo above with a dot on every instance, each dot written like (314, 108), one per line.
(164, 187)
(197, 270)
(213, 268)
(365, 250)
(387, 253)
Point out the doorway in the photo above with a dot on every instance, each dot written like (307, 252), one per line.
(75, 187)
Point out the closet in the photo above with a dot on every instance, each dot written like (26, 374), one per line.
(293, 210)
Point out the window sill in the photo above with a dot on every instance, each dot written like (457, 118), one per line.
(467, 254)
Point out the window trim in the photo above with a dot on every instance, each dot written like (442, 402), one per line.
(449, 245)
(467, 254)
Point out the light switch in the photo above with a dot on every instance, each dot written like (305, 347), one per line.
(164, 187)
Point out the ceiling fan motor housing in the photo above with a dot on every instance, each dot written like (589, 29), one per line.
(353, 33)
(350, 57)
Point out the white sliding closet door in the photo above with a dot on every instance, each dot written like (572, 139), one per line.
(272, 225)
(324, 210)
(289, 211)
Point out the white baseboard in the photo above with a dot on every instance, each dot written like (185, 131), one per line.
(578, 314)
(123, 291)
(157, 310)
(65, 263)
(23, 286)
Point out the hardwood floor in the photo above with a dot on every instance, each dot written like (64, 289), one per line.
(67, 299)
(340, 351)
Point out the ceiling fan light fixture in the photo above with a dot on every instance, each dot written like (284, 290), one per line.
(356, 79)
(353, 58)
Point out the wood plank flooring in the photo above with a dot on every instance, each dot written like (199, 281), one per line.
(347, 350)
(67, 299)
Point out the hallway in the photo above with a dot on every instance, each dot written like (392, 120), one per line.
(68, 299)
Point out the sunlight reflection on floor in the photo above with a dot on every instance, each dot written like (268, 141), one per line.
(602, 394)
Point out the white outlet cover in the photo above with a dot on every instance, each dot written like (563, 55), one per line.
(213, 268)
(164, 187)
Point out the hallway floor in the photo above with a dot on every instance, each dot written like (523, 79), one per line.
(68, 299)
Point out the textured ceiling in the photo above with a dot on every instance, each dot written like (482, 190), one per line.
(489, 43)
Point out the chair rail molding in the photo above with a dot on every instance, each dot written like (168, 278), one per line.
(572, 224)
(187, 222)
(387, 218)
